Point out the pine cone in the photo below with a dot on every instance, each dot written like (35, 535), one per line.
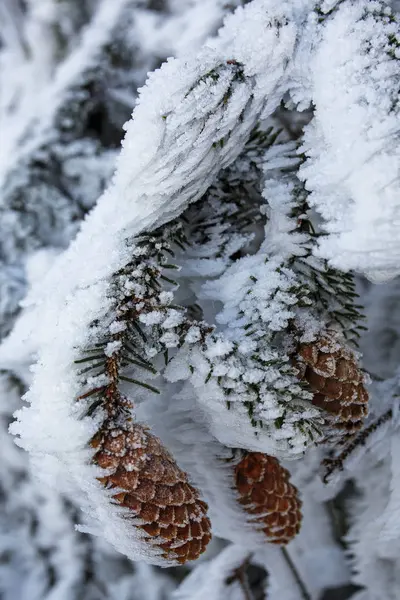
(266, 495)
(155, 489)
(332, 372)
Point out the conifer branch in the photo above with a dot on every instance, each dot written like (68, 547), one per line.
(118, 310)
(302, 286)
(215, 220)
(375, 33)
(331, 465)
(138, 292)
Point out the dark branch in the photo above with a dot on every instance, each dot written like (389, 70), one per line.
(296, 575)
(337, 464)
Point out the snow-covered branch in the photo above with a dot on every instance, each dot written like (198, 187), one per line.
(352, 144)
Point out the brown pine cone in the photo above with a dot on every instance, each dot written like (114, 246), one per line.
(266, 494)
(332, 372)
(155, 489)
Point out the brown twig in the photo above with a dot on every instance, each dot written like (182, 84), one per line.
(240, 575)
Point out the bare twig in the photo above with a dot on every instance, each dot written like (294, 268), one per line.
(304, 592)
(240, 575)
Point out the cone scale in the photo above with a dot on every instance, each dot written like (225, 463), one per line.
(334, 376)
(155, 491)
(268, 497)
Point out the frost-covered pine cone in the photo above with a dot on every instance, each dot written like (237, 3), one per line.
(155, 489)
(267, 495)
(333, 374)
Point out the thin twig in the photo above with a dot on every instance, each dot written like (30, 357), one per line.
(304, 592)
(337, 464)
(240, 576)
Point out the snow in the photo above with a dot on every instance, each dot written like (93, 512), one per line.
(179, 109)
(184, 427)
(189, 125)
(209, 580)
(352, 144)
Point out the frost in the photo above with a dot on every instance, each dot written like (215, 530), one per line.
(174, 319)
(179, 109)
(352, 144)
(211, 580)
(117, 327)
(111, 348)
(170, 340)
(152, 318)
(221, 243)
(217, 348)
